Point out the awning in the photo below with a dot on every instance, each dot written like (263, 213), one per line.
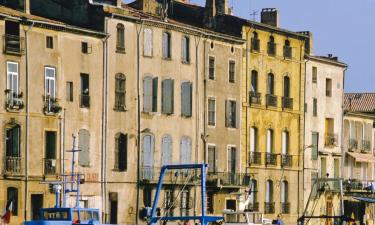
(365, 199)
(360, 157)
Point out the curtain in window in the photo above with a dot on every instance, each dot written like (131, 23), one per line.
(12, 77)
(253, 139)
(269, 141)
(49, 75)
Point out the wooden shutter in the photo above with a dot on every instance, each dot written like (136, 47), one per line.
(165, 45)
(185, 156)
(147, 42)
(166, 150)
(186, 99)
(252, 139)
(84, 146)
(211, 159)
(183, 49)
(315, 143)
(227, 113)
(168, 96)
(155, 94)
(147, 94)
(148, 145)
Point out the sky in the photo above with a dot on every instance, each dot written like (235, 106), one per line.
(344, 28)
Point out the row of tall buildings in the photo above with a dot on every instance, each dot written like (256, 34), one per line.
(152, 82)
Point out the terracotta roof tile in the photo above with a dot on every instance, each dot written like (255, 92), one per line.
(360, 102)
(18, 14)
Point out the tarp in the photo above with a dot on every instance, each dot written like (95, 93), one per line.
(365, 199)
(360, 157)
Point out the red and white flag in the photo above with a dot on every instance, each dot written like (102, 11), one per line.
(5, 217)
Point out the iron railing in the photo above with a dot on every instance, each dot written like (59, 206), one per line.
(255, 158)
(287, 52)
(13, 44)
(229, 178)
(287, 103)
(13, 165)
(13, 100)
(366, 146)
(51, 105)
(286, 160)
(353, 144)
(271, 48)
(255, 98)
(271, 100)
(285, 207)
(254, 207)
(271, 159)
(255, 47)
(331, 139)
(269, 207)
(50, 166)
(84, 101)
(150, 174)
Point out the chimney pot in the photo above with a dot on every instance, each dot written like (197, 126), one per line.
(270, 16)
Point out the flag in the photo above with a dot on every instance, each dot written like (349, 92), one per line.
(5, 217)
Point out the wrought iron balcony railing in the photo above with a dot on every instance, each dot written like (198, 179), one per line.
(255, 98)
(269, 207)
(287, 52)
(150, 174)
(254, 207)
(286, 160)
(353, 144)
(13, 44)
(13, 165)
(271, 48)
(287, 103)
(255, 45)
(50, 166)
(271, 159)
(271, 100)
(51, 105)
(331, 139)
(13, 100)
(228, 179)
(366, 146)
(255, 158)
(285, 207)
(84, 101)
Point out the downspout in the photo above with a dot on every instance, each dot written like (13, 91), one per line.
(62, 153)
(104, 124)
(248, 100)
(342, 139)
(304, 137)
(27, 121)
(138, 120)
(204, 104)
(299, 138)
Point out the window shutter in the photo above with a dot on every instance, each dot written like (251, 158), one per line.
(183, 49)
(211, 159)
(155, 94)
(166, 150)
(314, 149)
(186, 99)
(147, 42)
(236, 115)
(284, 143)
(252, 139)
(147, 94)
(84, 146)
(185, 156)
(227, 113)
(168, 96)
(165, 45)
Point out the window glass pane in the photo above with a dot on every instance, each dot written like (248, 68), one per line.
(12, 67)
(211, 112)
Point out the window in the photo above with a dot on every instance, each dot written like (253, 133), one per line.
(167, 148)
(314, 74)
(270, 84)
(287, 50)
(50, 83)
(147, 196)
(168, 203)
(284, 192)
(271, 50)
(315, 107)
(167, 103)
(69, 91)
(12, 79)
(12, 39)
(254, 81)
(147, 42)
(270, 141)
(150, 94)
(166, 45)
(253, 139)
(85, 91)
(50, 153)
(13, 149)
(232, 69)
(286, 87)
(253, 195)
(120, 44)
(315, 145)
(230, 114)
(328, 87)
(323, 167)
(185, 203)
(255, 42)
(269, 191)
(120, 86)
(148, 156)
(232, 160)
(185, 148)
(211, 158)
(211, 112)
(211, 68)
(84, 146)
(85, 47)
(121, 151)
(49, 42)
(12, 198)
(185, 49)
(186, 99)
(285, 142)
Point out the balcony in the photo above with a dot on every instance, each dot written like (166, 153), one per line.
(331, 139)
(228, 179)
(255, 98)
(271, 48)
(150, 175)
(84, 101)
(13, 165)
(285, 207)
(50, 166)
(353, 144)
(255, 158)
(51, 105)
(366, 146)
(255, 45)
(353, 185)
(14, 100)
(269, 207)
(13, 44)
(287, 103)
(286, 160)
(271, 100)
(254, 207)
(287, 52)
(271, 159)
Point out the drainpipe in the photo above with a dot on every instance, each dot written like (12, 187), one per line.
(204, 103)
(104, 124)
(62, 152)
(342, 141)
(198, 130)
(299, 138)
(27, 120)
(248, 100)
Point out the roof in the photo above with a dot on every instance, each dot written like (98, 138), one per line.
(14, 13)
(327, 59)
(359, 102)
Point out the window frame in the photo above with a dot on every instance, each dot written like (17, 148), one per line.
(232, 73)
(49, 42)
(185, 58)
(314, 75)
(15, 201)
(213, 69)
(168, 48)
(231, 119)
(10, 77)
(47, 80)
(118, 162)
(208, 111)
(120, 38)
(69, 91)
(145, 54)
(120, 95)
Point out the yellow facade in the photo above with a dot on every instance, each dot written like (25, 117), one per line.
(272, 120)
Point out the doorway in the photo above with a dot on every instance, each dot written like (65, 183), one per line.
(36, 205)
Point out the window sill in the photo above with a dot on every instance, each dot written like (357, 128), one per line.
(120, 51)
(148, 56)
(186, 117)
(119, 171)
(167, 59)
(185, 62)
(120, 109)
(150, 113)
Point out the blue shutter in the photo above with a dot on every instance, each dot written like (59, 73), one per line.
(186, 99)
(166, 150)
(167, 96)
(165, 45)
(84, 146)
(147, 94)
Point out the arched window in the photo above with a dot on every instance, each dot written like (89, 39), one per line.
(253, 139)
(269, 191)
(148, 156)
(121, 151)
(285, 142)
(271, 46)
(185, 155)
(12, 198)
(270, 84)
(253, 204)
(12, 148)
(120, 87)
(166, 150)
(254, 81)
(270, 141)
(287, 49)
(285, 206)
(84, 146)
(254, 42)
(120, 38)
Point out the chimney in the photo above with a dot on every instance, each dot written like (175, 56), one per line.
(212, 8)
(119, 2)
(270, 16)
(221, 6)
(309, 43)
(27, 6)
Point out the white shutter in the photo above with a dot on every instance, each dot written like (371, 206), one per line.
(147, 94)
(269, 141)
(252, 139)
(284, 143)
(268, 191)
(147, 42)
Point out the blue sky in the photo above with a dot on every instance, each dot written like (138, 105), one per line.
(344, 28)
